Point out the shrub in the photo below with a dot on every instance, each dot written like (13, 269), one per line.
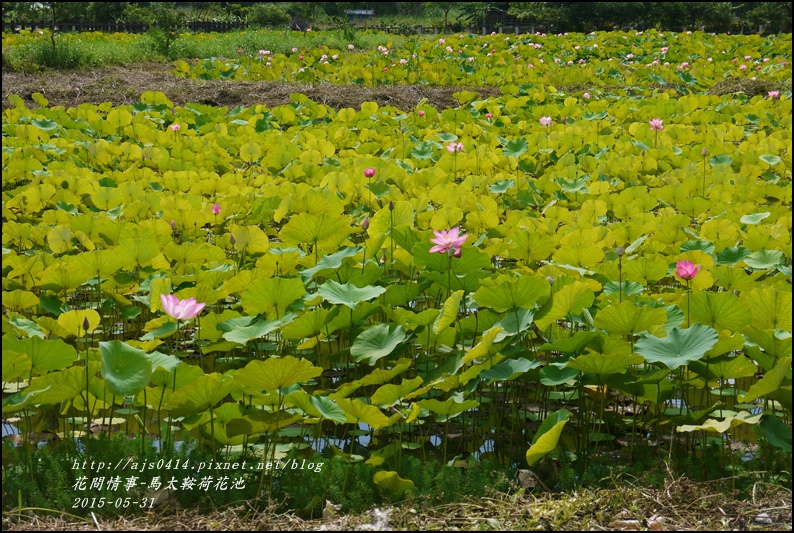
(267, 15)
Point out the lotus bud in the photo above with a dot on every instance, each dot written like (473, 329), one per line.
(643, 153)
(704, 152)
(550, 279)
(232, 240)
(391, 206)
(86, 325)
(620, 251)
(173, 224)
(365, 224)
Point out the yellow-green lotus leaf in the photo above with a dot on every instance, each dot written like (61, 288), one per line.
(272, 295)
(771, 308)
(449, 312)
(357, 411)
(627, 318)
(392, 482)
(572, 299)
(276, 373)
(719, 310)
(59, 239)
(721, 426)
(510, 292)
(73, 321)
(323, 231)
(20, 299)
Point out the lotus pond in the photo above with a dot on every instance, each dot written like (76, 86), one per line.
(538, 277)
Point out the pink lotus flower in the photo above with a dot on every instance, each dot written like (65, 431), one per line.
(656, 124)
(369, 172)
(774, 94)
(181, 309)
(448, 240)
(351, 47)
(239, 51)
(454, 147)
(421, 113)
(686, 270)
(175, 127)
(294, 50)
(488, 116)
(216, 209)
(586, 96)
(545, 121)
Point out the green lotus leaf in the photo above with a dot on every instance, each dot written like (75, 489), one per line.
(276, 373)
(548, 436)
(514, 323)
(571, 345)
(765, 259)
(515, 148)
(509, 370)
(392, 482)
(626, 318)
(328, 409)
(260, 328)
(163, 361)
(502, 186)
(45, 355)
(721, 160)
(126, 370)
(776, 432)
(679, 347)
(755, 218)
(330, 262)
(628, 288)
(272, 295)
(44, 124)
(348, 294)
(376, 342)
(731, 256)
(767, 158)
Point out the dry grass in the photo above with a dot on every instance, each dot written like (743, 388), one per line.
(124, 85)
(681, 505)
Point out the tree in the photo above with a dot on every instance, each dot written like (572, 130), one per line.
(772, 16)
(440, 8)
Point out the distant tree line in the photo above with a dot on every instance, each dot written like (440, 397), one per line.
(767, 17)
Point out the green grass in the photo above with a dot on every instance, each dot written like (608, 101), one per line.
(34, 52)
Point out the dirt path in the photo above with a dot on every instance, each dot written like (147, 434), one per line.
(124, 85)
